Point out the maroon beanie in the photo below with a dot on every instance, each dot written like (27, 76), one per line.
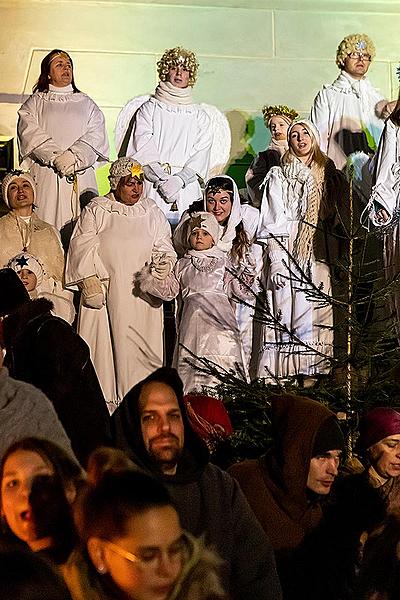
(376, 425)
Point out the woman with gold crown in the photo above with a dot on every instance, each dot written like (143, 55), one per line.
(172, 136)
(115, 236)
(61, 137)
(296, 206)
(277, 119)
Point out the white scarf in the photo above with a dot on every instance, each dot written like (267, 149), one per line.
(280, 146)
(169, 94)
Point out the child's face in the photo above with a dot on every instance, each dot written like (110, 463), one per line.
(200, 240)
(28, 278)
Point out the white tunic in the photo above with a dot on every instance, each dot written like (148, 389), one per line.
(114, 241)
(207, 325)
(342, 112)
(386, 194)
(50, 123)
(175, 135)
(302, 351)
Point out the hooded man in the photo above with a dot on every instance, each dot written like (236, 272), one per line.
(152, 426)
(285, 486)
(45, 351)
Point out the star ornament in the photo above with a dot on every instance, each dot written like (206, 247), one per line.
(22, 261)
(195, 222)
(361, 45)
(136, 171)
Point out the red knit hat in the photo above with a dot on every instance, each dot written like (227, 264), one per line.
(376, 425)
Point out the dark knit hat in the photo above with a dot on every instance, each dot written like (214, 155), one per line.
(376, 425)
(328, 437)
(12, 292)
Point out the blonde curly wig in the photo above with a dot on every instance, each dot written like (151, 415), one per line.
(178, 56)
(355, 42)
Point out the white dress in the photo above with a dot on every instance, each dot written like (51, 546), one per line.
(175, 135)
(114, 241)
(207, 325)
(48, 124)
(302, 351)
(386, 194)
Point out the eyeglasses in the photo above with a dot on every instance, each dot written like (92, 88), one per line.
(360, 55)
(174, 552)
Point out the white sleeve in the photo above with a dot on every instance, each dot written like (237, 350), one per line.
(199, 157)
(83, 258)
(273, 215)
(387, 172)
(163, 237)
(33, 141)
(320, 117)
(92, 146)
(143, 147)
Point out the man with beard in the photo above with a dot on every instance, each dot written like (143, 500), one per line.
(152, 426)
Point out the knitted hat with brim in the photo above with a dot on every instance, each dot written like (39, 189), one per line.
(12, 292)
(10, 177)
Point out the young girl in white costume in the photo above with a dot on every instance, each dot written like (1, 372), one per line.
(31, 272)
(207, 281)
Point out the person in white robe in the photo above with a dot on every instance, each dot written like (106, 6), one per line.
(349, 113)
(61, 139)
(115, 236)
(207, 281)
(21, 230)
(237, 237)
(384, 205)
(298, 335)
(172, 136)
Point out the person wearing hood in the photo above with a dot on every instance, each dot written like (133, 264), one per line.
(152, 426)
(285, 487)
(45, 351)
(277, 119)
(207, 281)
(238, 227)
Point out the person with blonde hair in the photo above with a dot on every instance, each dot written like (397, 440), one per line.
(296, 205)
(350, 112)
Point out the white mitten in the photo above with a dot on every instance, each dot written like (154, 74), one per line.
(65, 163)
(160, 267)
(168, 189)
(154, 172)
(277, 274)
(92, 292)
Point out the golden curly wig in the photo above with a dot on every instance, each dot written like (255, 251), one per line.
(178, 56)
(355, 42)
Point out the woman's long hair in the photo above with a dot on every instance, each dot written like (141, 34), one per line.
(42, 84)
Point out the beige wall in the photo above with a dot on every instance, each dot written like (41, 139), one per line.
(251, 52)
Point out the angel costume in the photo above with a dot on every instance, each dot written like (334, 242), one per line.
(49, 123)
(386, 194)
(207, 326)
(114, 241)
(301, 332)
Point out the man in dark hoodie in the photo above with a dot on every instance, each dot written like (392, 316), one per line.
(45, 351)
(152, 426)
(286, 485)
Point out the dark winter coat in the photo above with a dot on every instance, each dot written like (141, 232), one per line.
(276, 485)
(208, 500)
(45, 351)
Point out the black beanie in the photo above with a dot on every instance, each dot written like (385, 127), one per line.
(12, 292)
(328, 437)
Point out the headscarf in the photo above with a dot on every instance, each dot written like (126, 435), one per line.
(11, 177)
(229, 230)
(378, 424)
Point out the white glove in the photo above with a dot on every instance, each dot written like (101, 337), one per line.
(154, 172)
(187, 175)
(160, 267)
(168, 189)
(92, 292)
(277, 274)
(65, 163)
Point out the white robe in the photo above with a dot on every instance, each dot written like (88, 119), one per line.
(283, 354)
(114, 241)
(50, 123)
(349, 105)
(207, 324)
(174, 135)
(386, 194)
